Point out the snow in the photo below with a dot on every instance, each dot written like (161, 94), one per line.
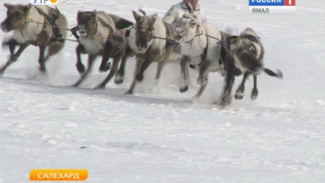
(158, 135)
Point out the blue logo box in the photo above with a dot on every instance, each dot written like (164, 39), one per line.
(266, 2)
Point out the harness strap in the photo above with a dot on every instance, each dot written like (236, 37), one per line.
(169, 31)
(128, 31)
(106, 25)
(250, 37)
(51, 21)
(47, 18)
(169, 35)
(29, 19)
(205, 51)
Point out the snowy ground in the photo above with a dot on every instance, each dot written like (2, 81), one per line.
(159, 135)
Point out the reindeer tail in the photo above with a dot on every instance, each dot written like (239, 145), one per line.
(277, 73)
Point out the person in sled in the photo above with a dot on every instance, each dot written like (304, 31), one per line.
(177, 11)
(186, 6)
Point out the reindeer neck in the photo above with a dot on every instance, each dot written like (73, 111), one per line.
(198, 39)
(32, 27)
(103, 29)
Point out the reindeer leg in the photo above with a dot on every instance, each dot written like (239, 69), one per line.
(91, 59)
(159, 70)
(137, 70)
(41, 59)
(105, 65)
(144, 67)
(229, 82)
(13, 58)
(119, 78)
(199, 93)
(240, 91)
(80, 49)
(113, 71)
(185, 76)
(254, 91)
(12, 44)
(204, 73)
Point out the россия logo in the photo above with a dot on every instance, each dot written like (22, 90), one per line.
(272, 6)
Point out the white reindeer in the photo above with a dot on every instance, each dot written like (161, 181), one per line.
(201, 50)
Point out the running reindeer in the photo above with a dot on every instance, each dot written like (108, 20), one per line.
(149, 42)
(248, 53)
(40, 26)
(202, 49)
(101, 34)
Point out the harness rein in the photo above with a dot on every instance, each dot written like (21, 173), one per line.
(47, 21)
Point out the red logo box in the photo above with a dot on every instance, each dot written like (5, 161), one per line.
(289, 2)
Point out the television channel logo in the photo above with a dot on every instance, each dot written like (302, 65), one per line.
(43, 2)
(55, 2)
(272, 7)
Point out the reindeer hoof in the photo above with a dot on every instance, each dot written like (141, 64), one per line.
(13, 59)
(81, 68)
(2, 73)
(225, 101)
(128, 93)
(42, 69)
(183, 89)
(195, 100)
(239, 96)
(76, 85)
(254, 94)
(105, 68)
(224, 104)
(201, 81)
(140, 77)
(118, 79)
(100, 87)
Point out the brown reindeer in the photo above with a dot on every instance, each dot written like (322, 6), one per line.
(248, 55)
(148, 40)
(100, 34)
(29, 26)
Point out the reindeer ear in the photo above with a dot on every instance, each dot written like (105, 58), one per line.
(27, 7)
(136, 15)
(94, 13)
(232, 39)
(7, 5)
(193, 23)
(57, 12)
(120, 23)
(154, 17)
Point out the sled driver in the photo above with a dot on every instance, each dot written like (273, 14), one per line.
(176, 12)
(186, 6)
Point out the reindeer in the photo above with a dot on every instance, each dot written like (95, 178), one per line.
(101, 34)
(149, 42)
(202, 47)
(248, 53)
(29, 26)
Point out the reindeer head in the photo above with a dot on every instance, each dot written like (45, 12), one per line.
(248, 50)
(243, 41)
(87, 23)
(233, 42)
(16, 17)
(187, 28)
(144, 30)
